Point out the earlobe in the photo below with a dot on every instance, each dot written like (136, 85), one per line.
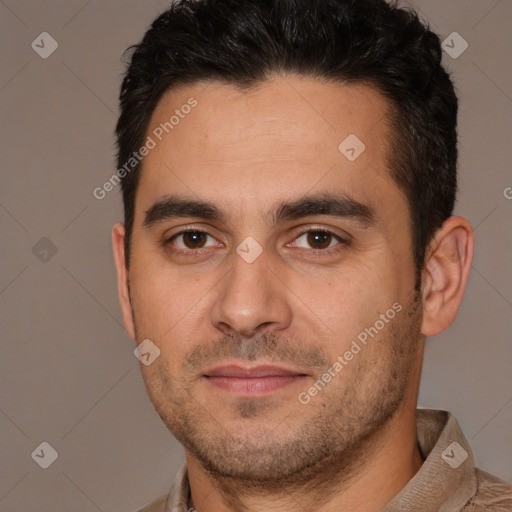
(118, 237)
(445, 274)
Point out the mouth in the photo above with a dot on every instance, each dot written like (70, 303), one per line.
(252, 381)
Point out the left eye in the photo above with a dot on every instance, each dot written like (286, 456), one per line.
(317, 240)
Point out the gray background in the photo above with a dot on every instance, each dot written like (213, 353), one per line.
(68, 373)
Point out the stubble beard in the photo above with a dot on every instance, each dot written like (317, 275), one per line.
(331, 437)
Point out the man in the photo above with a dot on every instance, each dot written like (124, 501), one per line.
(289, 175)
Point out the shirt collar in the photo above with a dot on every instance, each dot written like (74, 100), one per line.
(447, 479)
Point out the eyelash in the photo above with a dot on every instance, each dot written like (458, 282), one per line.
(343, 242)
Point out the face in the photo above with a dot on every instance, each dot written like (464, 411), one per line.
(271, 264)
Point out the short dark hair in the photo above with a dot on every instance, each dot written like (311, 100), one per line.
(244, 42)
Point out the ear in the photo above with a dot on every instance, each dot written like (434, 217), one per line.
(118, 235)
(446, 271)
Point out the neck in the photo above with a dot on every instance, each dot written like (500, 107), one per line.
(374, 474)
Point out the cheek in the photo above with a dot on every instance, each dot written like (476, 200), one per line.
(351, 298)
(161, 301)
(173, 307)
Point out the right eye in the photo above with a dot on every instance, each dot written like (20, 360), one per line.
(191, 239)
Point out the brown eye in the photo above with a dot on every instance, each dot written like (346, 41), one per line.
(192, 239)
(317, 240)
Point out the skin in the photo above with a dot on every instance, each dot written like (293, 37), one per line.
(299, 304)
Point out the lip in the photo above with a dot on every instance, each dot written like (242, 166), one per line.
(252, 381)
(233, 370)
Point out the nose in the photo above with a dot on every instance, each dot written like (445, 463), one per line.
(251, 299)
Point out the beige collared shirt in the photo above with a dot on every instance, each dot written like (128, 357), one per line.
(447, 482)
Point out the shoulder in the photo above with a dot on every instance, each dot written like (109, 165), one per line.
(159, 505)
(493, 494)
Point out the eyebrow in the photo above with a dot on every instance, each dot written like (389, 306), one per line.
(342, 206)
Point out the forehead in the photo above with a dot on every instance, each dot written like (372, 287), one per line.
(283, 139)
